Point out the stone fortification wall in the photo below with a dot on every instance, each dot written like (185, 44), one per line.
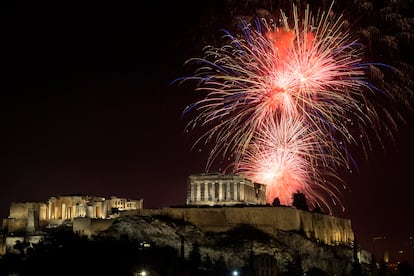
(15, 225)
(19, 210)
(24, 217)
(32, 216)
(12, 241)
(89, 227)
(328, 229)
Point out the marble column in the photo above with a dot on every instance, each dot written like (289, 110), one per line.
(228, 191)
(220, 191)
(198, 196)
(242, 186)
(49, 210)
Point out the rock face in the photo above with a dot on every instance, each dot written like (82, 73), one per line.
(325, 228)
(237, 242)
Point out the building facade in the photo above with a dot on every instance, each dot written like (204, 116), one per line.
(27, 219)
(222, 189)
(31, 216)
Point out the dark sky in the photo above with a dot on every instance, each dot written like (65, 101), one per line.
(91, 110)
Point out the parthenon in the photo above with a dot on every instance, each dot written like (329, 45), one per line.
(220, 189)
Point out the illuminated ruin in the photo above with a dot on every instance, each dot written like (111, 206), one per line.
(220, 189)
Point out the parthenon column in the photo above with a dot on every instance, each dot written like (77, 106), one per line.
(228, 191)
(206, 191)
(208, 197)
(192, 195)
(242, 186)
(220, 191)
(198, 197)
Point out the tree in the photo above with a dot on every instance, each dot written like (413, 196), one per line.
(356, 267)
(317, 209)
(299, 201)
(314, 271)
(294, 268)
(21, 246)
(207, 262)
(276, 202)
(220, 266)
(383, 269)
(195, 256)
(405, 269)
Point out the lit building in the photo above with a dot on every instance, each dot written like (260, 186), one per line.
(27, 219)
(30, 216)
(220, 189)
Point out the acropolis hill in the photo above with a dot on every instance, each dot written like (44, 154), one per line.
(241, 202)
(224, 214)
(325, 228)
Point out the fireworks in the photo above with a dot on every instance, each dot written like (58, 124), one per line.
(283, 100)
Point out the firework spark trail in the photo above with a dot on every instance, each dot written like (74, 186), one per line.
(310, 71)
(283, 156)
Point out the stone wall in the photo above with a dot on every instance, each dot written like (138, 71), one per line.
(32, 216)
(13, 225)
(11, 241)
(2, 244)
(24, 217)
(89, 227)
(19, 210)
(325, 228)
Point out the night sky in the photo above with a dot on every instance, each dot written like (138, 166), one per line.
(91, 110)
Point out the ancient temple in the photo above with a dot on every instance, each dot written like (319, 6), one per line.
(223, 189)
(30, 216)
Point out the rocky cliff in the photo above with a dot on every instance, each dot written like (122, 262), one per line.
(238, 244)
